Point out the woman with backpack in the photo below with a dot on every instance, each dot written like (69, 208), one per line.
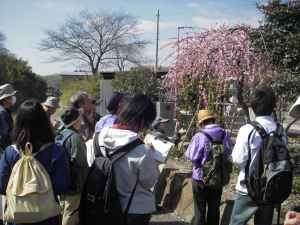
(136, 172)
(33, 128)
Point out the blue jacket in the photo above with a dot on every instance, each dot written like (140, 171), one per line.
(54, 160)
(6, 125)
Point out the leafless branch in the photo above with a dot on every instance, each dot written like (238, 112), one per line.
(92, 37)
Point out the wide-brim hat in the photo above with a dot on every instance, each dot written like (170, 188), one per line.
(295, 109)
(6, 91)
(205, 114)
(52, 102)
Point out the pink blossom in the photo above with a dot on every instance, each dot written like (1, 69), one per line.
(219, 54)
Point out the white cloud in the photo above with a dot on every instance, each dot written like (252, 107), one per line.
(193, 5)
(207, 18)
(207, 22)
(56, 6)
(150, 26)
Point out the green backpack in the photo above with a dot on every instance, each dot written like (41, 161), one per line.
(217, 169)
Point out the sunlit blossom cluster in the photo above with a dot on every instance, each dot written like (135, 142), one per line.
(220, 55)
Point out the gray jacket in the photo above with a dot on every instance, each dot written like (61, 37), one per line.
(138, 165)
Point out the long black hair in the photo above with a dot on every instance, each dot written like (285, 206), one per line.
(138, 113)
(32, 125)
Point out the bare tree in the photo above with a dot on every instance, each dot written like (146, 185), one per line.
(93, 38)
(129, 55)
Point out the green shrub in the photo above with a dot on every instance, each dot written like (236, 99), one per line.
(91, 85)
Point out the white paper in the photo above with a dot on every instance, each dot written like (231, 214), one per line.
(90, 154)
(295, 109)
(2, 206)
(162, 147)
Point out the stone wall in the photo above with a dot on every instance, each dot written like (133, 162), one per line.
(174, 194)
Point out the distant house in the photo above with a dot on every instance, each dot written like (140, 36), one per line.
(76, 75)
(106, 89)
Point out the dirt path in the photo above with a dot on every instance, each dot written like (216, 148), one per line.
(166, 219)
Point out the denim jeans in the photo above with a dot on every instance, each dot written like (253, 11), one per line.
(244, 208)
(204, 196)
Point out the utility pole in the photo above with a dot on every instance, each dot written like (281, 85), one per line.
(178, 34)
(157, 38)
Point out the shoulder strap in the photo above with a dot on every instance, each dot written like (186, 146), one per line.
(130, 199)
(118, 155)
(97, 149)
(211, 139)
(43, 148)
(65, 138)
(125, 150)
(259, 128)
(262, 132)
(279, 130)
(206, 135)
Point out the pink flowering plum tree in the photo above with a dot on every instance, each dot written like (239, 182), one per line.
(206, 65)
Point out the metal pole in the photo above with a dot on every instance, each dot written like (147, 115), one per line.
(157, 38)
(178, 39)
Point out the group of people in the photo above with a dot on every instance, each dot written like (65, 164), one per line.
(248, 143)
(61, 146)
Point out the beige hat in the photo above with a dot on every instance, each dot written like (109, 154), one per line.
(205, 114)
(7, 90)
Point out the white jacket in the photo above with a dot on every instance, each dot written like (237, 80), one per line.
(138, 164)
(240, 150)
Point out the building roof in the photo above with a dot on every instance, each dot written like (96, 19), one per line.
(77, 73)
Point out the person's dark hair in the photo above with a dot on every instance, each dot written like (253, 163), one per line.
(32, 125)
(78, 99)
(114, 102)
(208, 121)
(263, 101)
(70, 115)
(138, 113)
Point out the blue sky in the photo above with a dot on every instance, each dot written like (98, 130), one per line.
(24, 22)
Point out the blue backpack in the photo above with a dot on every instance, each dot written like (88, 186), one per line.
(61, 140)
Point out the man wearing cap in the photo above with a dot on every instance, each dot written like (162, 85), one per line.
(7, 101)
(158, 128)
(83, 102)
(76, 151)
(200, 152)
(51, 105)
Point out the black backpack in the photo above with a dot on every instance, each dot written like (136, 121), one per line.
(269, 173)
(100, 199)
(218, 167)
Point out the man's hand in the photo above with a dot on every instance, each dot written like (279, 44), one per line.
(292, 218)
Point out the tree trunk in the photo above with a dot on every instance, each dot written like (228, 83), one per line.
(241, 98)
